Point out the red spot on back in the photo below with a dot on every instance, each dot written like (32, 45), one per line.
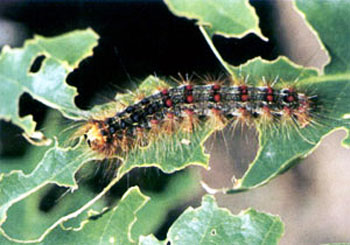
(217, 97)
(290, 98)
(168, 102)
(243, 89)
(244, 97)
(269, 98)
(164, 91)
(189, 87)
(269, 90)
(189, 99)
(216, 87)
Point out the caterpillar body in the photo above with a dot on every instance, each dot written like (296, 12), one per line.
(186, 106)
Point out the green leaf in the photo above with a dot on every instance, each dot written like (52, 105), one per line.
(60, 164)
(180, 189)
(151, 240)
(29, 211)
(57, 166)
(281, 144)
(225, 17)
(28, 161)
(112, 228)
(47, 85)
(331, 21)
(170, 153)
(210, 224)
(4, 241)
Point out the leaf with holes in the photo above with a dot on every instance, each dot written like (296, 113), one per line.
(57, 166)
(47, 85)
(179, 190)
(335, 14)
(48, 205)
(112, 227)
(210, 224)
(227, 18)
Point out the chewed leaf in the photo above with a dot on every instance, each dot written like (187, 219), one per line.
(151, 240)
(48, 208)
(336, 39)
(19, 74)
(57, 166)
(283, 143)
(281, 69)
(210, 224)
(171, 153)
(113, 227)
(227, 18)
(179, 191)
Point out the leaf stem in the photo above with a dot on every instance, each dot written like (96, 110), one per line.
(215, 51)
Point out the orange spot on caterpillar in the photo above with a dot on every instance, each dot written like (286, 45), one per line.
(189, 99)
(290, 98)
(189, 87)
(243, 88)
(217, 97)
(216, 87)
(169, 103)
(164, 91)
(244, 97)
(269, 90)
(269, 98)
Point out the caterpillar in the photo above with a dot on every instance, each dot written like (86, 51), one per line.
(187, 105)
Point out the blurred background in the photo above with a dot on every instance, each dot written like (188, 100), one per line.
(139, 38)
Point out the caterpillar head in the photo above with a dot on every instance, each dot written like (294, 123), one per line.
(97, 138)
(105, 139)
(93, 137)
